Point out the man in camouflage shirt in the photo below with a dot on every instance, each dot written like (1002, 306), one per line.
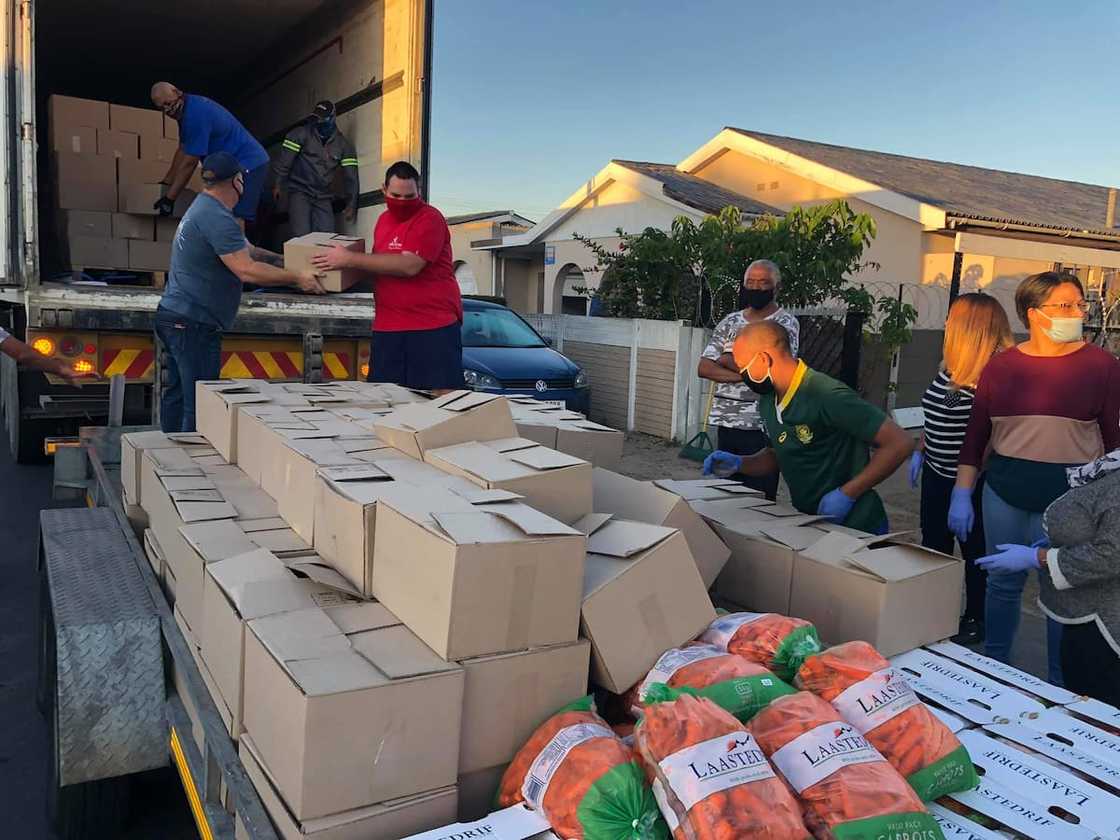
(734, 411)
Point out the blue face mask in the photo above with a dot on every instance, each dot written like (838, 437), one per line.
(325, 128)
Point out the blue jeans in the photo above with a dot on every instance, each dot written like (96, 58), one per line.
(1006, 524)
(194, 352)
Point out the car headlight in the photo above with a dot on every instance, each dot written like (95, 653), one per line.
(480, 381)
(581, 380)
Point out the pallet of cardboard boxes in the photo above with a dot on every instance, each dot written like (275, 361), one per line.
(107, 162)
(387, 594)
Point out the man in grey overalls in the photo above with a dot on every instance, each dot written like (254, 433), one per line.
(310, 156)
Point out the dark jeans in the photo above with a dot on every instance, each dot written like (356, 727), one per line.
(936, 490)
(421, 359)
(748, 442)
(1089, 664)
(194, 352)
(307, 215)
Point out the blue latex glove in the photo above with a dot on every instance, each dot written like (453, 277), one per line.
(836, 506)
(1010, 558)
(961, 515)
(722, 463)
(1042, 543)
(915, 467)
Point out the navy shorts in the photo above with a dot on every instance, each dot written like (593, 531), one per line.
(421, 359)
(246, 207)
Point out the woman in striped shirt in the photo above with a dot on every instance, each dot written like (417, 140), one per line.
(976, 329)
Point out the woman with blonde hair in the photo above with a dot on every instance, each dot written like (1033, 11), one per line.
(976, 329)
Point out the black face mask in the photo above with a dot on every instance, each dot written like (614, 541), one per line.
(764, 386)
(756, 298)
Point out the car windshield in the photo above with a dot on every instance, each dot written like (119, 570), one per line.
(497, 328)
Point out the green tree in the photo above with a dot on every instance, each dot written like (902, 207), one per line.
(667, 275)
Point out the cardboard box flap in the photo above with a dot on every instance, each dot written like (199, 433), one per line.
(299, 635)
(370, 444)
(205, 511)
(222, 386)
(797, 537)
(186, 438)
(623, 538)
(334, 673)
(281, 541)
(274, 523)
(463, 400)
(305, 566)
(530, 520)
(591, 523)
(590, 426)
(481, 461)
(479, 495)
(309, 432)
(325, 453)
(359, 617)
(880, 557)
(248, 500)
(410, 470)
(217, 540)
(186, 482)
(197, 452)
(207, 495)
(175, 461)
(355, 472)
(244, 399)
(506, 445)
(506, 522)
(628, 497)
(327, 398)
(542, 458)
(363, 491)
(700, 488)
(398, 653)
(421, 503)
(205, 461)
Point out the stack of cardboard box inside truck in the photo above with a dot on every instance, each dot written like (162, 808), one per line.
(387, 594)
(106, 164)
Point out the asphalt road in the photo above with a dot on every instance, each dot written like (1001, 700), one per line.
(159, 807)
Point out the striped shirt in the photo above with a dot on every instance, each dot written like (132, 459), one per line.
(946, 416)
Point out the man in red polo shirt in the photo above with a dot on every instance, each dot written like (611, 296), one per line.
(418, 313)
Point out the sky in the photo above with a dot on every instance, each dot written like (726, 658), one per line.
(531, 99)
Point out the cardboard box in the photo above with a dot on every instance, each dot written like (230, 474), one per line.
(514, 823)
(149, 256)
(643, 501)
(137, 518)
(73, 123)
(134, 444)
(84, 181)
(146, 122)
(642, 594)
(478, 792)
(299, 250)
(166, 228)
(119, 144)
(141, 198)
(552, 482)
(348, 708)
(91, 223)
(238, 589)
(894, 595)
(153, 552)
(140, 171)
(170, 128)
(94, 252)
(216, 405)
(385, 821)
(292, 484)
(479, 580)
(507, 696)
(458, 417)
(125, 226)
(158, 149)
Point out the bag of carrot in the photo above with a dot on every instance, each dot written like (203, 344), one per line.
(710, 777)
(875, 698)
(577, 773)
(736, 684)
(848, 791)
(775, 641)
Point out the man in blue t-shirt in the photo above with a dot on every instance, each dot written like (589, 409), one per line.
(210, 259)
(206, 127)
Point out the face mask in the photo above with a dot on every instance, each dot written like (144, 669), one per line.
(759, 386)
(1064, 330)
(758, 298)
(238, 188)
(175, 109)
(325, 128)
(402, 208)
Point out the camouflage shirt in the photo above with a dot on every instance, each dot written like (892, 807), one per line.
(736, 406)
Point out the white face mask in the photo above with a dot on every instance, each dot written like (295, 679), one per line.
(1064, 330)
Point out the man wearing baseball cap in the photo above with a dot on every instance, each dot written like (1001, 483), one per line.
(210, 259)
(311, 155)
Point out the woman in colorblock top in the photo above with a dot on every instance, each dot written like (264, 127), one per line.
(976, 330)
(1051, 403)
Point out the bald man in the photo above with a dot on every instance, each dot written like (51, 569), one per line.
(205, 127)
(831, 446)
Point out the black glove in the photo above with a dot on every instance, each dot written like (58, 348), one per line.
(165, 206)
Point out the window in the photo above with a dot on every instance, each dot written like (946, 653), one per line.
(497, 328)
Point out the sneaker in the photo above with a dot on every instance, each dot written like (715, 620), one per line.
(970, 632)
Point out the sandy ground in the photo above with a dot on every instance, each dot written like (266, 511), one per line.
(648, 458)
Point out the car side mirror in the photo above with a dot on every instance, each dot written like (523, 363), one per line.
(547, 341)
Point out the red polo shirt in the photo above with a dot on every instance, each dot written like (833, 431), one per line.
(429, 300)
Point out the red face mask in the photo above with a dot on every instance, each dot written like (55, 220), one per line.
(402, 208)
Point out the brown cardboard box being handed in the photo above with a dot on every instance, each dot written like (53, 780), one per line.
(299, 251)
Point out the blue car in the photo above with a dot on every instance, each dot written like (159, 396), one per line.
(502, 354)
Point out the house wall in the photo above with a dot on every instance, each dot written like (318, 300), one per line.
(481, 262)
